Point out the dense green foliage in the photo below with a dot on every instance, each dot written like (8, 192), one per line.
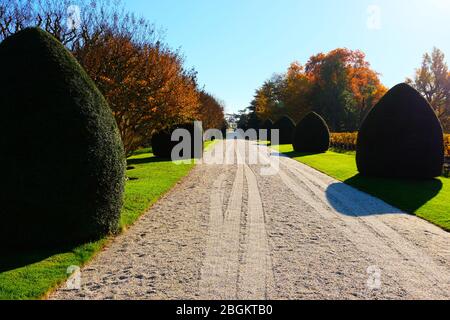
(401, 137)
(311, 134)
(66, 185)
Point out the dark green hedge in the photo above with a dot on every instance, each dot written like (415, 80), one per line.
(401, 137)
(62, 157)
(162, 144)
(311, 134)
(286, 126)
(268, 125)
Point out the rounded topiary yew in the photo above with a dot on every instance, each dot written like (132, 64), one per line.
(311, 134)
(286, 128)
(63, 163)
(162, 144)
(401, 137)
(268, 125)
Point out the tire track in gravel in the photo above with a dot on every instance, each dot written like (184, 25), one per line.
(416, 271)
(231, 232)
(224, 275)
(256, 272)
(437, 275)
(211, 272)
(219, 274)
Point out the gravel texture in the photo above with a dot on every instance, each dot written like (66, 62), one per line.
(230, 231)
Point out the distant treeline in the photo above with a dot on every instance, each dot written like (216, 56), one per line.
(342, 87)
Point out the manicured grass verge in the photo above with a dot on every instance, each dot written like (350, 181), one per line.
(428, 199)
(31, 275)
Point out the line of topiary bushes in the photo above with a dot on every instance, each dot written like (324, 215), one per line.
(401, 137)
(63, 156)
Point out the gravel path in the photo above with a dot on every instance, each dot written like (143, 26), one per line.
(230, 231)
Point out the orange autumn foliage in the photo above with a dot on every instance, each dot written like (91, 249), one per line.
(339, 85)
(145, 86)
(211, 111)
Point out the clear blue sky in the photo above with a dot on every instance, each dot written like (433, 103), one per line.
(235, 45)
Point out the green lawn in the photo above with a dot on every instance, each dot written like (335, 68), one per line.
(30, 275)
(428, 199)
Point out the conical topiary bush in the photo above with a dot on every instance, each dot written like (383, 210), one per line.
(267, 125)
(286, 128)
(62, 157)
(311, 134)
(401, 137)
(162, 144)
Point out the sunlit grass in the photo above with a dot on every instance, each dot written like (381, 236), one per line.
(428, 199)
(31, 275)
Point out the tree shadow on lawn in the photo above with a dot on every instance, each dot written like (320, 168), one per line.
(294, 154)
(408, 195)
(11, 260)
(291, 154)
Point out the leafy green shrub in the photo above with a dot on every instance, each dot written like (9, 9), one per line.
(286, 127)
(311, 134)
(162, 144)
(62, 157)
(401, 137)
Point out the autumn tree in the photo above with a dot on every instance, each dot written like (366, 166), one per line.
(268, 101)
(339, 85)
(211, 111)
(146, 86)
(432, 80)
(296, 92)
(344, 88)
(144, 81)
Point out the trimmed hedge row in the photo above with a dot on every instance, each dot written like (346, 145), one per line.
(344, 141)
(347, 141)
(401, 137)
(447, 145)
